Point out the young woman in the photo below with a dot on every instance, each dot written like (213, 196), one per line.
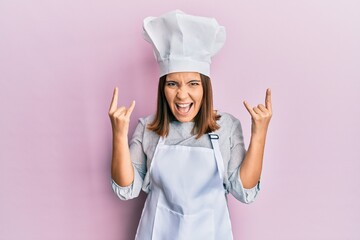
(187, 157)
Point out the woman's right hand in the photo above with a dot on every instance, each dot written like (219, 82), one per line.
(121, 167)
(120, 117)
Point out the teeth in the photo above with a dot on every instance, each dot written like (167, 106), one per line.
(183, 105)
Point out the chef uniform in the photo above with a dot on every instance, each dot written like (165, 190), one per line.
(186, 198)
(181, 206)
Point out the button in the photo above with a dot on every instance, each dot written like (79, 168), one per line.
(124, 190)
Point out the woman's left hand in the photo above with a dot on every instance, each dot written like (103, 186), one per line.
(260, 115)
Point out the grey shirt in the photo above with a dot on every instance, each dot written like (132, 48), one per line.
(231, 141)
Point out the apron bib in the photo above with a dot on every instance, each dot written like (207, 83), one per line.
(187, 199)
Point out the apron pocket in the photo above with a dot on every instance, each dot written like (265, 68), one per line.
(172, 225)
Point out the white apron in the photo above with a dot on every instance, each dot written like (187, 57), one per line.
(187, 199)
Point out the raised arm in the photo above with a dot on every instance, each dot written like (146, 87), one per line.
(250, 170)
(122, 171)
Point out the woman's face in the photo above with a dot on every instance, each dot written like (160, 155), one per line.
(184, 93)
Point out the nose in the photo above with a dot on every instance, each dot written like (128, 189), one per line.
(182, 93)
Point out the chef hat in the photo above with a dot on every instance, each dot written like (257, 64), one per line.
(182, 42)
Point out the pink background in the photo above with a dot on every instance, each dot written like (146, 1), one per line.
(59, 62)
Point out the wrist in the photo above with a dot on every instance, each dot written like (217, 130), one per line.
(120, 138)
(258, 137)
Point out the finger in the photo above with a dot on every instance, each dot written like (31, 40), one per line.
(120, 111)
(113, 105)
(262, 108)
(250, 110)
(257, 110)
(131, 108)
(268, 104)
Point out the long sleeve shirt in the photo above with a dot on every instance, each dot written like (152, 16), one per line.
(143, 144)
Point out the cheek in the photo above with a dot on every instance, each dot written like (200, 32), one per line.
(200, 95)
(168, 96)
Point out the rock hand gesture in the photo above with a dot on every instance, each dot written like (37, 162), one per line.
(122, 171)
(260, 115)
(120, 117)
(250, 170)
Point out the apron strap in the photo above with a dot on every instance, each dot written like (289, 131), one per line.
(160, 143)
(219, 160)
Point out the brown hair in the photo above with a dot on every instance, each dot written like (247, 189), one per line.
(205, 120)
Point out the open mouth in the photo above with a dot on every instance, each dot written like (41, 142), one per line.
(183, 108)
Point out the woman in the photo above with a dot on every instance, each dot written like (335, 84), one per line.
(187, 157)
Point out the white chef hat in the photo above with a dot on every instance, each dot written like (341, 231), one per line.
(182, 42)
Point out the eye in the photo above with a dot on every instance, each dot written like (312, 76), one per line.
(171, 84)
(194, 83)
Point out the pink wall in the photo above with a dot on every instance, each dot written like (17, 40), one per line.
(59, 61)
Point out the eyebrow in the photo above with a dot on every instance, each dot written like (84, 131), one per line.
(192, 80)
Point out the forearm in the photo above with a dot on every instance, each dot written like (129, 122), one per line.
(250, 169)
(122, 171)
